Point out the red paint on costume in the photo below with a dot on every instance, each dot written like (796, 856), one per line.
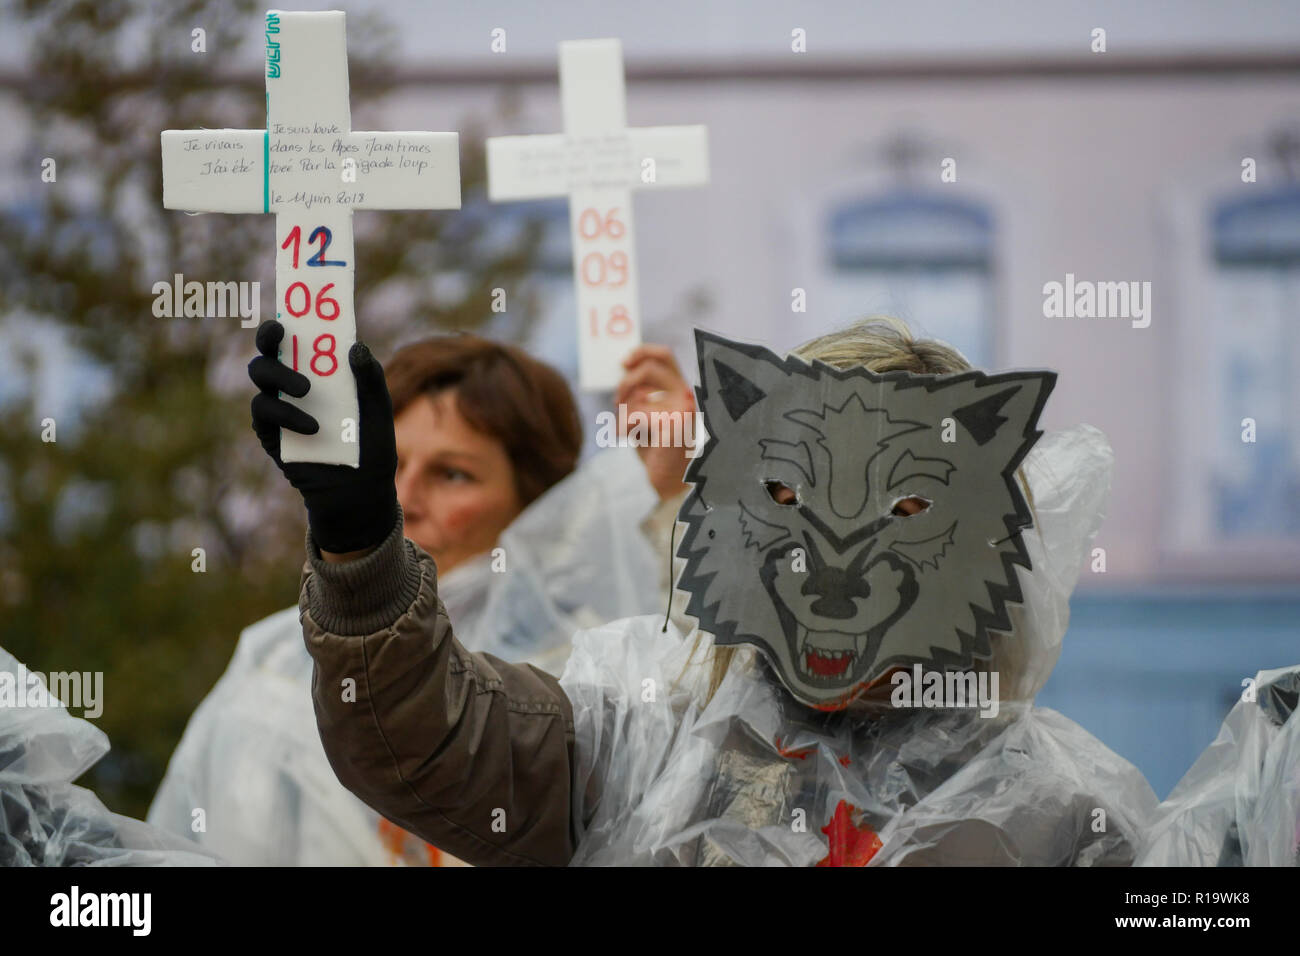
(800, 754)
(850, 844)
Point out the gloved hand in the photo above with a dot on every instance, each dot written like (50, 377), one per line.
(348, 509)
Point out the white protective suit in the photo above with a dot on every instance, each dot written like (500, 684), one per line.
(45, 820)
(753, 778)
(251, 756)
(1239, 804)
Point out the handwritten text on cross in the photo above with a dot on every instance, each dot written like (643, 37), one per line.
(311, 170)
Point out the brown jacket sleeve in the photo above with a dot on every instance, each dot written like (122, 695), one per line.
(468, 752)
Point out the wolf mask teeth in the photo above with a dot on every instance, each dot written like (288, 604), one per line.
(825, 578)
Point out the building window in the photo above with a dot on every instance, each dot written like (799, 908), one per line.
(1254, 353)
(924, 259)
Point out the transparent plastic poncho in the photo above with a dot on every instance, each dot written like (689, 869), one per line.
(668, 776)
(1239, 804)
(46, 820)
(251, 756)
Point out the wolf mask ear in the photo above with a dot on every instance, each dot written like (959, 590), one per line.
(734, 377)
(1000, 412)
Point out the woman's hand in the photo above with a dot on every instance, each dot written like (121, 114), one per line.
(653, 384)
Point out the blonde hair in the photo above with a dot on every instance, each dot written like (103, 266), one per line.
(882, 343)
(879, 343)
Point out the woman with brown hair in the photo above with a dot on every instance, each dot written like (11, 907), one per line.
(529, 546)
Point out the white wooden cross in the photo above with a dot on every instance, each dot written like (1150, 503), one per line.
(597, 161)
(311, 170)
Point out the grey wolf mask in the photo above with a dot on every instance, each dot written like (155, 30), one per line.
(833, 587)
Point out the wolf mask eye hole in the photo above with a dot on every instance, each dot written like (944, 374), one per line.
(781, 493)
(911, 505)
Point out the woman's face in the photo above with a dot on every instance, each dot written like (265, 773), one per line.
(456, 485)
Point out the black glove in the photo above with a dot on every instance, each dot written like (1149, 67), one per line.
(348, 509)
